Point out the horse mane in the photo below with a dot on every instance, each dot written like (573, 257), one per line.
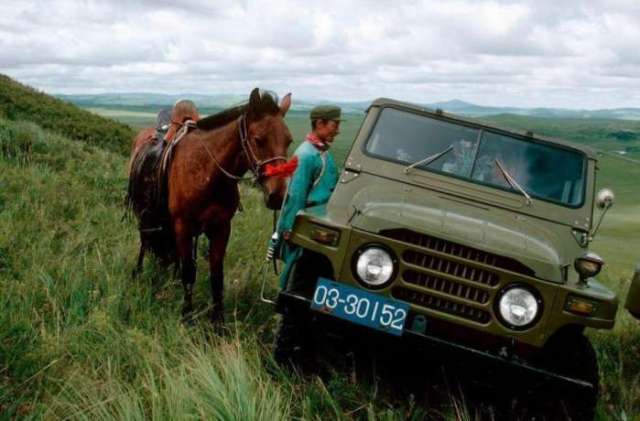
(222, 118)
(268, 105)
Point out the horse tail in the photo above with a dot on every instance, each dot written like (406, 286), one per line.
(146, 199)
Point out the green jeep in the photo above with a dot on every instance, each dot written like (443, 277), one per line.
(463, 239)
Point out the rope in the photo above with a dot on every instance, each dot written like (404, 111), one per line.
(254, 164)
(275, 227)
(221, 168)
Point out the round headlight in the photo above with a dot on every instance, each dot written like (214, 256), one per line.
(518, 307)
(588, 265)
(374, 266)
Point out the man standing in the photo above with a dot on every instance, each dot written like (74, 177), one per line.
(183, 110)
(313, 181)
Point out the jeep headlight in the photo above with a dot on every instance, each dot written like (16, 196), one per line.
(518, 307)
(375, 266)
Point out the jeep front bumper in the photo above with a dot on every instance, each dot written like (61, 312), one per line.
(476, 363)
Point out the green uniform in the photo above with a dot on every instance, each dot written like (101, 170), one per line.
(311, 185)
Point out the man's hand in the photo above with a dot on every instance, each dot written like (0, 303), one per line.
(286, 235)
(273, 250)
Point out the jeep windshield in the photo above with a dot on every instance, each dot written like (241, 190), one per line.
(543, 171)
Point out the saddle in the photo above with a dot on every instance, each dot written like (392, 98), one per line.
(147, 195)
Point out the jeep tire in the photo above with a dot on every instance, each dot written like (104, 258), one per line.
(291, 341)
(568, 353)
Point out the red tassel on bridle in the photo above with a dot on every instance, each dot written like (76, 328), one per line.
(283, 170)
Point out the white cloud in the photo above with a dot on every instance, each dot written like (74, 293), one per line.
(537, 53)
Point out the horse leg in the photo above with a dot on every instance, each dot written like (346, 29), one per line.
(184, 241)
(218, 240)
(143, 247)
(195, 248)
(138, 268)
(176, 269)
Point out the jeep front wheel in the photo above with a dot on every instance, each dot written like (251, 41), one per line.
(570, 354)
(291, 340)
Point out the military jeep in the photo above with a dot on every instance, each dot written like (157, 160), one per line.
(466, 240)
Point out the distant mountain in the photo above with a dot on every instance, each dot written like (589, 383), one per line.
(149, 101)
(136, 100)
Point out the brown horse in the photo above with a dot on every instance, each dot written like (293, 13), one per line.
(203, 176)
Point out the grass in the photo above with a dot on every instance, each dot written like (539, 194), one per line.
(81, 340)
(619, 241)
(132, 118)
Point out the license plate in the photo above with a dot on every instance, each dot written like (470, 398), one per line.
(359, 306)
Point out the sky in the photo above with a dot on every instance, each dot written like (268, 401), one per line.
(581, 54)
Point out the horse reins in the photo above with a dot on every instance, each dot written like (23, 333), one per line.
(255, 165)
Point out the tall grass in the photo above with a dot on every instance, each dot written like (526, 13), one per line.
(80, 339)
(199, 379)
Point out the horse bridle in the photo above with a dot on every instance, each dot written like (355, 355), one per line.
(255, 165)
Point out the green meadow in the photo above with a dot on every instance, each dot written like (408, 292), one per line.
(80, 339)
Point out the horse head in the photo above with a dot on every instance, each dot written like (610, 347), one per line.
(268, 140)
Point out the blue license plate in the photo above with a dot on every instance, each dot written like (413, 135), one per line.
(359, 306)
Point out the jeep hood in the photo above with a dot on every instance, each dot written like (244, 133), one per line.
(532, 241)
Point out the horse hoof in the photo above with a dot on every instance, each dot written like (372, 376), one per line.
(216, 317)
(188, 320)
(188, 316)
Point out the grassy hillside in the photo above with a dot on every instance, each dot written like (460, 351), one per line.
(80, 339)
(20, 102)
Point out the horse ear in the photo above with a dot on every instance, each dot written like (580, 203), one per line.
(254, 100)
(285, 104)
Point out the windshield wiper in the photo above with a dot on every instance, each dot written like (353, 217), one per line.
(428, 160)
(513, 182)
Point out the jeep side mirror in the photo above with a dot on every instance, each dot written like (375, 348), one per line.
(604, 200)
(633, 296)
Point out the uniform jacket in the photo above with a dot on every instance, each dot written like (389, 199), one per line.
(311, 185)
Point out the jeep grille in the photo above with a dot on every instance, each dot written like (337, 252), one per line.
(451, 268)
(449, 280)
(458, 250)
(441, 304)
(446, 286)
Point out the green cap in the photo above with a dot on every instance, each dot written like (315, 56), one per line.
(326, 112)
